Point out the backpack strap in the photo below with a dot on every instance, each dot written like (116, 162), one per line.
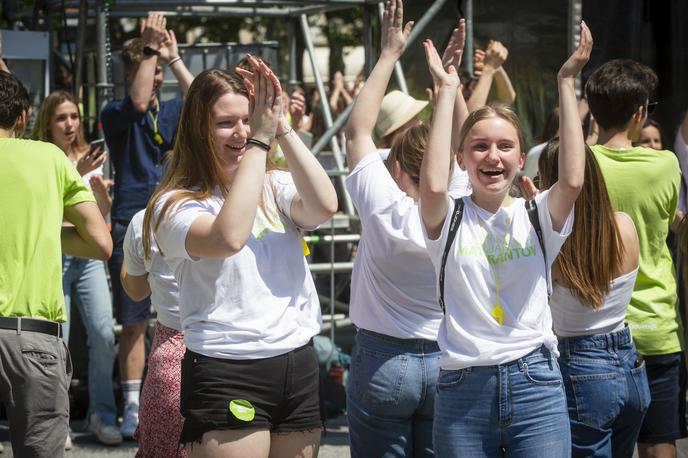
(457, 215)
(532, 209)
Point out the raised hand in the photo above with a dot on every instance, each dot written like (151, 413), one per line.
(441, 77)
(454, 51)
(153, 32)
(169, 48)
(297, 108)
(495, 54)
(266, 103)
(580, 56)
(394, 33)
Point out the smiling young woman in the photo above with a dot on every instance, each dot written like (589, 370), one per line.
(498, 364)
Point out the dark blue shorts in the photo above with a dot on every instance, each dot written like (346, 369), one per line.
(127, 311)
(665, 420)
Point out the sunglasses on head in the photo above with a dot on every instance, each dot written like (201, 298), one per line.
(651, 107)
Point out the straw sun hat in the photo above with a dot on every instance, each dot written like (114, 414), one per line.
(396, 110)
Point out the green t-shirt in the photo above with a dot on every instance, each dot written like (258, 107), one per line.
(644, 183)
(36, 182)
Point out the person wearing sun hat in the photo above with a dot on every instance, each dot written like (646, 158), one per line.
(398, 112)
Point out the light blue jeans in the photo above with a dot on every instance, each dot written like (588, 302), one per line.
(390, 396)
(84, 281)
(517, 409)
(607, 391)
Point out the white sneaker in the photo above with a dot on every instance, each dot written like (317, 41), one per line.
(106, 434)
(68, 442)
(130, 420)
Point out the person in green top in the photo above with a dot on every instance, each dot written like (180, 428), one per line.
(644, 183)
(39, 188)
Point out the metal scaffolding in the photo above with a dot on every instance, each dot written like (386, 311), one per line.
(296, 13)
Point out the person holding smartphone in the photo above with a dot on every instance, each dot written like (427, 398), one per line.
(84, 280)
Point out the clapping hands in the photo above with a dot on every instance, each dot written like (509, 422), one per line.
(265, 99)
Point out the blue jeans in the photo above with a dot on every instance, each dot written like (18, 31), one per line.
(607, 392)
(390, 395)
(517, 409)
(84, 281)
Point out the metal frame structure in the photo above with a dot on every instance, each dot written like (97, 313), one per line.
(296, 13)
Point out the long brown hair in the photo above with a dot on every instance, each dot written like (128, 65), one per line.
(594, 231)
(193, 168)
(41, 128)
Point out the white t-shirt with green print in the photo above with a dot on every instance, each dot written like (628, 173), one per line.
(259, 303)
(491, 252)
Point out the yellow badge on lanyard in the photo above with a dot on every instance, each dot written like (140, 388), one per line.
(498, 314)
(304, 245)
(157, 138)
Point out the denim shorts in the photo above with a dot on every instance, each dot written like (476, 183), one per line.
(606, 390)
(517, 409)
(279, 394)
(127, 311)
(665, 420)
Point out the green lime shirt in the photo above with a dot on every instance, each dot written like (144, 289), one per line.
(644, 183)
(36, 183)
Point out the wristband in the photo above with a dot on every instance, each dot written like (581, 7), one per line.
(148, 51)
(285, 133)
(258, 143)
(174, 61)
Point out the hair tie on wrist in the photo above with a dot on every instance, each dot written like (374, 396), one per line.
(258, 143)
(174, 61)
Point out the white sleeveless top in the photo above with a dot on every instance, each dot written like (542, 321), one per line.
(572, 318)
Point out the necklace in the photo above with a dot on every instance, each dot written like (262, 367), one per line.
(496, 274)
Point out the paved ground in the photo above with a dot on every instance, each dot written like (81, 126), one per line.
(334, 445)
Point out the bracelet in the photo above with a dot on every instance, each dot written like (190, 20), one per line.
(291, 129)
(174, 61)
(259, 144)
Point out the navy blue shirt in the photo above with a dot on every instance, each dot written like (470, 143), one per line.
(136, 157)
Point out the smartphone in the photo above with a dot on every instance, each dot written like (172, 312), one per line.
(97, 148)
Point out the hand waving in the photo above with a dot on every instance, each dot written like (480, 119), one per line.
(394, 33)
(580, 56)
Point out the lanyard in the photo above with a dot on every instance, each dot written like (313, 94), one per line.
(157, 138)
(497, 310)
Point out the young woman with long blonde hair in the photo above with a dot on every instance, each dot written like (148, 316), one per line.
(500, 391)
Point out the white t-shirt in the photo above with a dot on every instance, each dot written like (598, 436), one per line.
(530, 169)
(258, 303)
(572, 318)
(393, 280)
(164, 290)
(681, 150)
(475, 332)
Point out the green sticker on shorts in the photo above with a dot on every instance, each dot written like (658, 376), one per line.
(242, 410)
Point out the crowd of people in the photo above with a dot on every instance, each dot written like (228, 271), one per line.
(507, 302)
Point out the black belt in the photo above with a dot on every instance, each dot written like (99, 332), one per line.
(19, 324)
